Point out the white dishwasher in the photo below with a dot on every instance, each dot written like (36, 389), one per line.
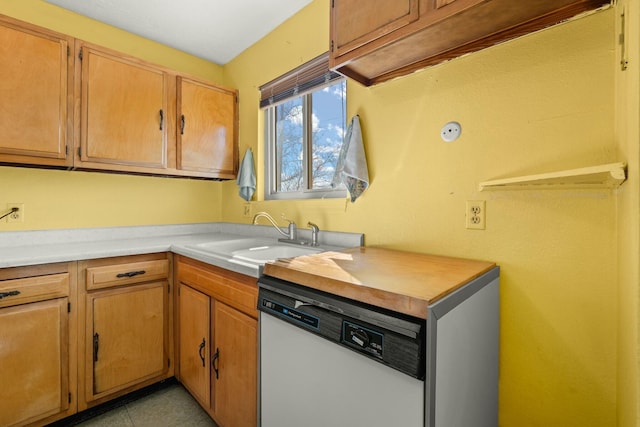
(327, 361)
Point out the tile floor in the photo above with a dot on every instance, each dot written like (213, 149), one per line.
(171, 406)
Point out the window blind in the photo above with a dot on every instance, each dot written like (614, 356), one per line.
(298, 81)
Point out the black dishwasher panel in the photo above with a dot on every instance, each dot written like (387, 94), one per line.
(387, 337)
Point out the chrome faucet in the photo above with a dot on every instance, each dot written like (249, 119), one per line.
(292, 229)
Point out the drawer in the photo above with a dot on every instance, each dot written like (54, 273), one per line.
(128, 273)
(233, 289)
(31, 289)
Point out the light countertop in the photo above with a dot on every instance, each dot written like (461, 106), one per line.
(23, 248)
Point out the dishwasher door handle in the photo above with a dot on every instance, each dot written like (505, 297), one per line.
(319, 304)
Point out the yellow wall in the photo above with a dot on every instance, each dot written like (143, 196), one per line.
(63, 199)
(541, 103)
(628, 135)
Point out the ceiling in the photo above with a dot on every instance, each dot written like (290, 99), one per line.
(216, 30)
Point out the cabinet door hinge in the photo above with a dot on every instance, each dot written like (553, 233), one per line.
(80, 54)
(80, 152)
(331, 45)
(333, 3)
(68, 51)
(69, 397)
(68, 307)
(168, 289)
(66, 150)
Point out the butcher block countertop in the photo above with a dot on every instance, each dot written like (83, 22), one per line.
(404, 282)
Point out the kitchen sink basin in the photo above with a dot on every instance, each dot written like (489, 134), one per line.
(227, 247)
(270, 253)
(252, 251)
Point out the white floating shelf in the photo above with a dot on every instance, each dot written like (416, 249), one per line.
(603, 176)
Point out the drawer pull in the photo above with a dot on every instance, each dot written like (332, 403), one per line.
(9, 294)
(202, 345)
(130, 274)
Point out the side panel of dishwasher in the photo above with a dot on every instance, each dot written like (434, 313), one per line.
(463, 356)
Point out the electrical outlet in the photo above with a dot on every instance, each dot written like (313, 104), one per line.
(475, 215)
(246, 210)
(17, 216)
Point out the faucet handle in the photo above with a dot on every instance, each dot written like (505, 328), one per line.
(284, 217)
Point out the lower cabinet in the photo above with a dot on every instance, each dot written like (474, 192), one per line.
(217, 343)
(125, 336)
(37, 344)
(75, 335)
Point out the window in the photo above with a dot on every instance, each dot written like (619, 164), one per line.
(305, 122)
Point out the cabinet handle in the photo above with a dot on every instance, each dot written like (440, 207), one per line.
(9, 294)
(215, 361)
(130, 274)
(202, 345)
(96, 345)
(182, 123)
(161, 118)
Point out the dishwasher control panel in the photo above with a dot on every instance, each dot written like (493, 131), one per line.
(363, 339)
(292, 314)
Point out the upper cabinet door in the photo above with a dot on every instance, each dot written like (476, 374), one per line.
(207, 129)
(36, 71)
(124, 117)
(358, 22)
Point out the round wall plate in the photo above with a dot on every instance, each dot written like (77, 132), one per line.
(451, 131)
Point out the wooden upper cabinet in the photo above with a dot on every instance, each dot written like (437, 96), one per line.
(354, 25)
(71, 104)
(36, 70)
(373, 42)
(124, 113)
(207, 134)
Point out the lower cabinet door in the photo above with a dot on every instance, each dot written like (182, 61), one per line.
(34, 361)
(194, 343)
(127, 331)
(235, 360)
